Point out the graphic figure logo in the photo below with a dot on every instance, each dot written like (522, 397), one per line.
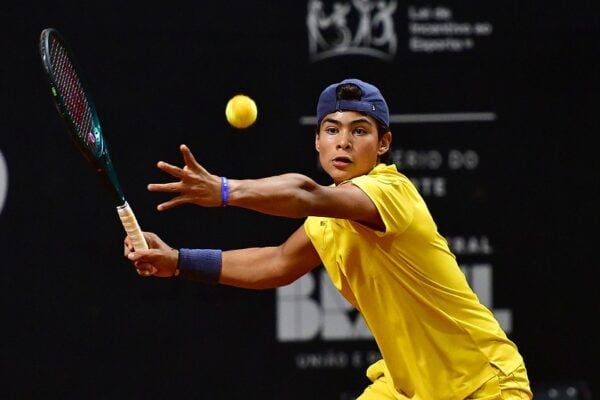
(358, 27)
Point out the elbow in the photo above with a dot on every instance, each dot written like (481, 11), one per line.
(285, 280)
(304, 196)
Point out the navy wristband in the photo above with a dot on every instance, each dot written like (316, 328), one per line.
(202, 265)
(224, 191)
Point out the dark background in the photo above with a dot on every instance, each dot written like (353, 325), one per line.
(79, 323)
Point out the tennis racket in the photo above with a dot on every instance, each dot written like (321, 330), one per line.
(74, 104)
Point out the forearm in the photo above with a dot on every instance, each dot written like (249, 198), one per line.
(254, 268)
(251, 268)
(289, 195)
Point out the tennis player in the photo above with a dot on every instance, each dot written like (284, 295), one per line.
(376, 238)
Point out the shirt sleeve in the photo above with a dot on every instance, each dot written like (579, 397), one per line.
(392, 197)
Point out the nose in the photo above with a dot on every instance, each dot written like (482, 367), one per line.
(344, 142)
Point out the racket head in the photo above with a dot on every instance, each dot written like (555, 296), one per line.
(74, 103)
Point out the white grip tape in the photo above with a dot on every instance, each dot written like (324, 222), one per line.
(131, 227)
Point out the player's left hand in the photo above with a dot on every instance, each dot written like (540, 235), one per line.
(195, 184)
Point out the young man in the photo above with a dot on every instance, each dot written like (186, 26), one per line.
(375, 236)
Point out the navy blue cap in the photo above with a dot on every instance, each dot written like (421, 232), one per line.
(371, 103)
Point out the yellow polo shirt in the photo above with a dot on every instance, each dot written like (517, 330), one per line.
(436, 338)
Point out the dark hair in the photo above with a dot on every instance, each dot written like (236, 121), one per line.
(349, 91)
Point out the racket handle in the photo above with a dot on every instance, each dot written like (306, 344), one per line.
(131, 227)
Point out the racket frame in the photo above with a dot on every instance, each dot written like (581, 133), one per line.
(99, 158)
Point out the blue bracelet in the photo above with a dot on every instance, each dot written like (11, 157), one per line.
(203, 265)
(224, 192)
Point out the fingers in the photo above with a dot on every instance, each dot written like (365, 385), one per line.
(177, 201)
(146, 270)
(171, 169)
(127, 246)
(194, 185)
(190, 160)
(172, 187)
(142, 268)
(151, 239)
(143, 260)
(188, 157)
(190, 164)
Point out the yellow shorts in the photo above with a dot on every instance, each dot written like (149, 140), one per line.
(514, 386)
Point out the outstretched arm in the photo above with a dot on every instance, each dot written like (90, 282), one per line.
(288, 195)
(251, 268)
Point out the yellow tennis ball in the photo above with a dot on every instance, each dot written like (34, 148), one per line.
(241, 111)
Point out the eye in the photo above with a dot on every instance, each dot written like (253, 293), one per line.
(360, 131)
(331, 130)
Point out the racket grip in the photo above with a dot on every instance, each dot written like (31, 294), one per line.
(132, 227)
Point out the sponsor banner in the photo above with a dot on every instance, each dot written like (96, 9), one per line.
(382, 29)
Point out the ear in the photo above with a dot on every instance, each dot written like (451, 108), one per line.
(384, 143)
(317, 142)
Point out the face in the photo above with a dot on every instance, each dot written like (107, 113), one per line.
(348, 144)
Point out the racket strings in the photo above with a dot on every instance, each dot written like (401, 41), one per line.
(71, 91)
